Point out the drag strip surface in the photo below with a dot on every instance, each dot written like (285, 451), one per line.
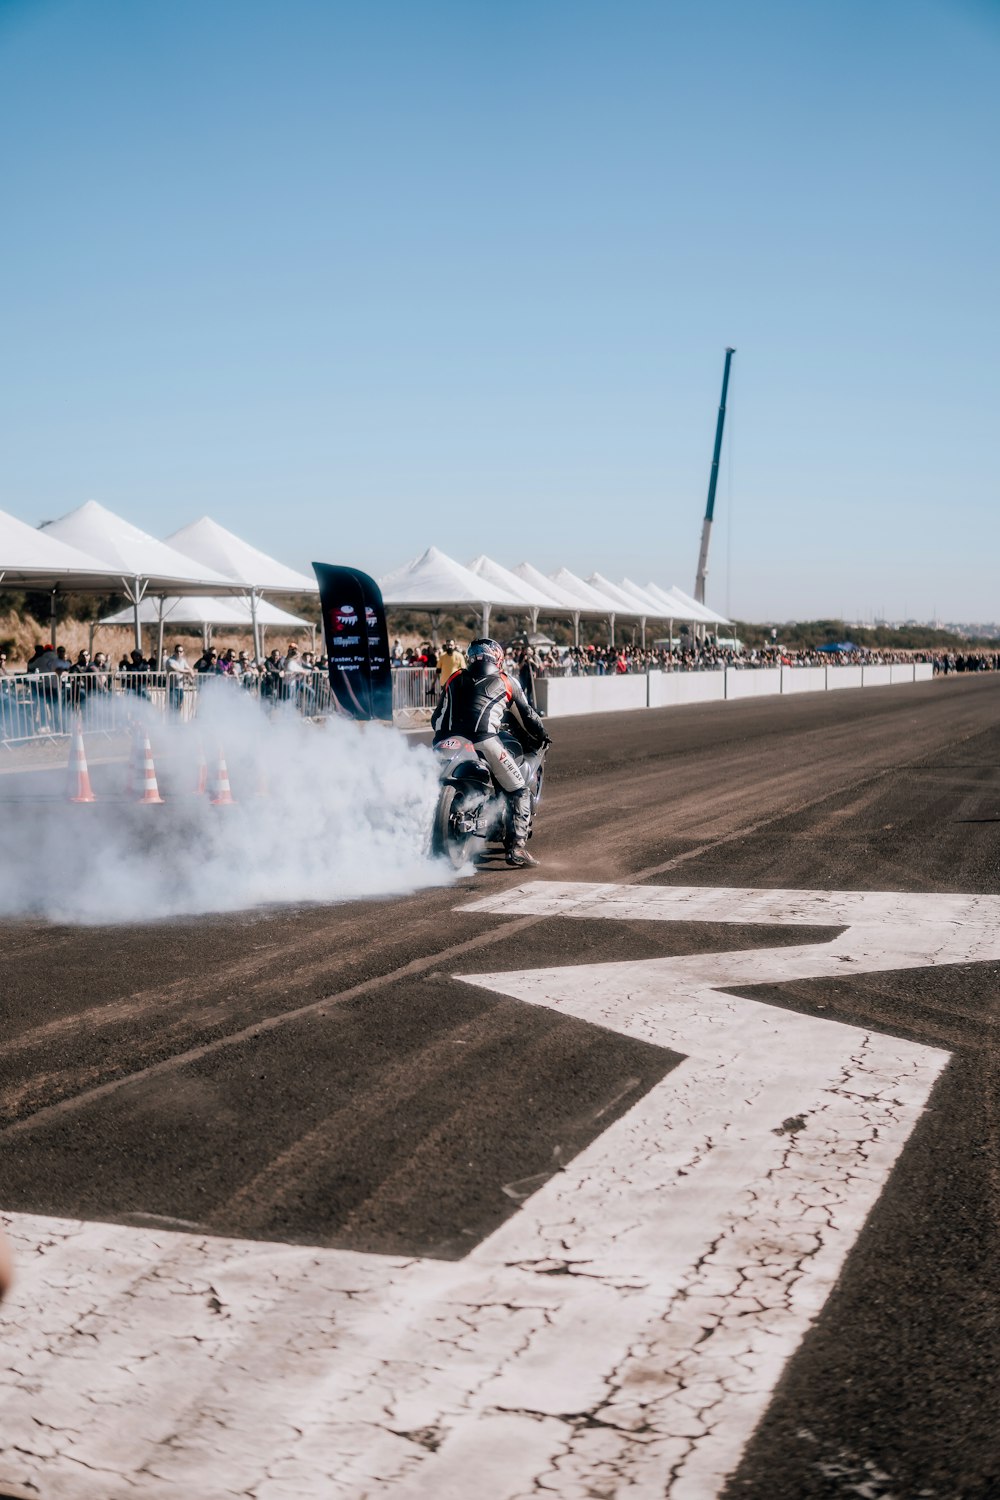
(325, 1077)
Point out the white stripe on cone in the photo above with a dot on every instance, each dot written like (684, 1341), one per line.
(221, 795)
(78, 787)
(150, 790)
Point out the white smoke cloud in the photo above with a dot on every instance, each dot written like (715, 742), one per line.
(323, 812)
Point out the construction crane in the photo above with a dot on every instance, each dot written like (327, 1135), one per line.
(706, 530)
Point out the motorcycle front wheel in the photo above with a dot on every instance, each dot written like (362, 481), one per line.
(445, 840)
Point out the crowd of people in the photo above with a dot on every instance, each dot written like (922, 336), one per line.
(301, 675)
(53, 687)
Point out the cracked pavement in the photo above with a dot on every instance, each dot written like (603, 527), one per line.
(625, 1317)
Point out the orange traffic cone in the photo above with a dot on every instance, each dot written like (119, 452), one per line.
(150, 790)
(78, 787)
(202, 786)
(221, 795)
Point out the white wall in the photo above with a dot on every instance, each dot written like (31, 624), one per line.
(591, 695)
(762, 683)
(667, 689)
(558, 696)
(803, 679)
(843, 677)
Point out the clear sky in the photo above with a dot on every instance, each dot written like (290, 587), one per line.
(357, 277)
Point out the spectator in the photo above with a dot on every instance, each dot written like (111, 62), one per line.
(526, 666)
(137, 674)
(450, 661)
(179, 673)
(43, 658)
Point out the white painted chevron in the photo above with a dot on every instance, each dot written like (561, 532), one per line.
(622, 1333)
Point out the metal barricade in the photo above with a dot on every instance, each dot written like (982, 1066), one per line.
(31, 708)
(45, 706)
(415, 691)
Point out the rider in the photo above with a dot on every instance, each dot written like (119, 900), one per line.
(489, 708)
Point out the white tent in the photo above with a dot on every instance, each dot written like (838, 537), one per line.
(564, 601)
(436, 582)
(622, 602)
(711, 615)
(535, 598)
(207, 613)
(589, 598)
(669, 606)
(679, 606)
(211, 544)
(137, 561)
(35, 560)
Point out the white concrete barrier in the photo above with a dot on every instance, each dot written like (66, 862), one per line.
(590, 695)
(803, 679)
(668, 689)
(558, 696)
(843, 677)
(764, 682)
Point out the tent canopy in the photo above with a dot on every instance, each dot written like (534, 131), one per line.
(678, 606)
(561, 600)
(203, 610)
(435, 581)
(622, 602)
(35, 560)
(530, 594)
(210, 544)
(654, 608)
(588, 599)
(139, 562)
(711, 616)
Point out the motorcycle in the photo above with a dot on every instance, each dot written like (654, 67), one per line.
(472, 811)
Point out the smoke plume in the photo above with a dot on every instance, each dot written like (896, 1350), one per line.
(322, 812)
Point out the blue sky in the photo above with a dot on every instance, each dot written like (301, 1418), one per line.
(355, 278)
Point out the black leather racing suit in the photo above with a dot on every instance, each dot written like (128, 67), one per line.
(489, 708)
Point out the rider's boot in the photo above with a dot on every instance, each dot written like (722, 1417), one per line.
(517, 853)
(519, 859)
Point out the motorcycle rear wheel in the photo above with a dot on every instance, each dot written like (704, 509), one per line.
(457, 848)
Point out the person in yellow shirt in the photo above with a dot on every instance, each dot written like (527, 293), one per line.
(449, 662)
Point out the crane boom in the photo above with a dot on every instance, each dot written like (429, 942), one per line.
(706, 530)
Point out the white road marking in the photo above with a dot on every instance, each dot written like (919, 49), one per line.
(624, 1330)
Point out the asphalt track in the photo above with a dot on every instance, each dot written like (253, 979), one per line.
(318, 1076)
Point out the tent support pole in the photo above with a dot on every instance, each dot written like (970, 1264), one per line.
(486, 618)
(52, 615)
(435, 622)
(255, 629)
(611, 628)
(576, 627)
(534, 619)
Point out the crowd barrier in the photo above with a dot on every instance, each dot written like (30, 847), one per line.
(37, 706)
(558, 696)
(43, 706)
